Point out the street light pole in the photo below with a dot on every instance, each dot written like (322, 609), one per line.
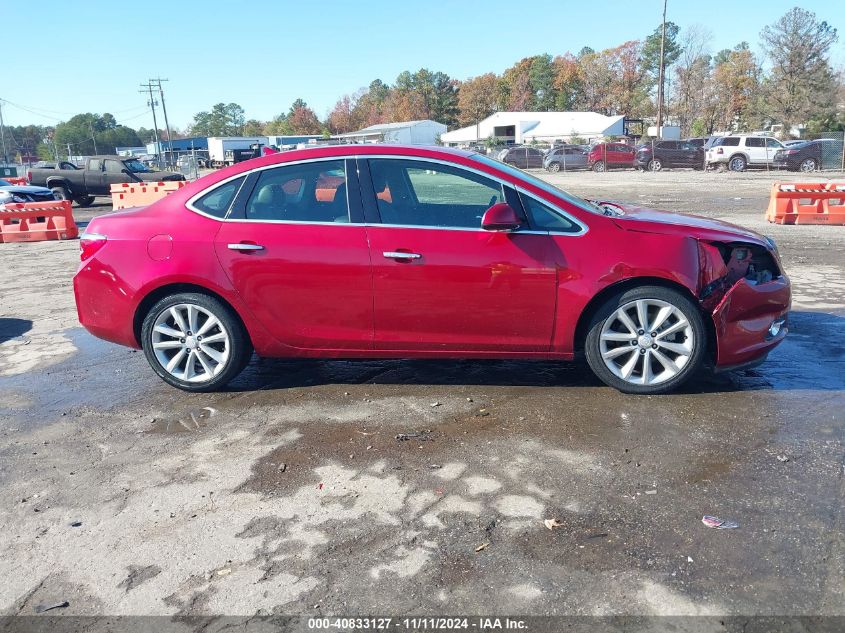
(660, 75)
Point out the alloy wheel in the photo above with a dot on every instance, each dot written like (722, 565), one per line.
(646, 342)
(808, 164)
(190, 342)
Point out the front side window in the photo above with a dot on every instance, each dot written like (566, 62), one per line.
(95, 164)
(114, 167)
(773, 142)
(419, 193)
(305, 192)
(545, 218)
(217, 201)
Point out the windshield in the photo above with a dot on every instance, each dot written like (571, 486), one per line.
(586, 205)
(135, 166)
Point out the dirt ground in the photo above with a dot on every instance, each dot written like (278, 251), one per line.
(291, 494)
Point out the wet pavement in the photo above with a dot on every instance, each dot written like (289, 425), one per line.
(421, 487)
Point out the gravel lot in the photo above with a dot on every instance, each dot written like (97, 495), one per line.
(290, 493)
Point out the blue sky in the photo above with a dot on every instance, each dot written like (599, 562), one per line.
(91, 55)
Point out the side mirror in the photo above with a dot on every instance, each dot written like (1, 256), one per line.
(500, 217)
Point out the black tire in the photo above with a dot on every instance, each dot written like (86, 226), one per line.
(240, 350)
(808, 165)
(655, 164)
(85, 201)
(61, 193)
(599, 166)
(737, 163)
(592, 343)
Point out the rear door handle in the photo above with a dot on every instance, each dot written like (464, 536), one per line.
(398, 255)
(246, 247)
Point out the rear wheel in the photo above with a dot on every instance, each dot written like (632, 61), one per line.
(737, 163)
(808, 164)
(646, 340)
(85, 201)
(61, 193)
(655, 164)
(195, 342)
(599, 166)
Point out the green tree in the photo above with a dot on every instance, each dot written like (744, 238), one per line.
(223, 120)
(802, 85)
(651, 52)
(541, 78)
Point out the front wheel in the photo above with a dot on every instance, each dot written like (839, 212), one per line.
(647, 340)
(554, 167)
(195, 342)
(655, 164)
(85, 201)
(599, 166)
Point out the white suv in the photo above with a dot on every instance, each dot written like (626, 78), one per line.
(741, 151)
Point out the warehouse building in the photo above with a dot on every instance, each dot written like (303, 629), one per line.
(423, 132)
(526, 127)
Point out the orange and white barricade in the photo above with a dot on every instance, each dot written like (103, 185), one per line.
(37, 221)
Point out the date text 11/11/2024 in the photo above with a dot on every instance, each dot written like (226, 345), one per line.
(429, 623)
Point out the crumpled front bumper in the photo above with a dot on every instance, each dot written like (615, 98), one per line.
(743, 319)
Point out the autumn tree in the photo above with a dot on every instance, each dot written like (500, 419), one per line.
(802, 84)
(567, 82)
(736, 79)
(302, 120)
(477, 98)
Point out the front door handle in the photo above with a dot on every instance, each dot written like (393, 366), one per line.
(398, 255)
(246, 247)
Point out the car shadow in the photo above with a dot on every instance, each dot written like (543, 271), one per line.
(811, 358)
(13, 328)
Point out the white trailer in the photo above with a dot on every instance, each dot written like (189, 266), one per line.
(221, 148)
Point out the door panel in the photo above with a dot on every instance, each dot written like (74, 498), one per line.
(310, 282)
(454, 288)
(468, 290)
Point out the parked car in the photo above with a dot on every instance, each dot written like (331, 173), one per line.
(566, 157)
(389, 251)
(704, 142)
(738, 152)
(656, 155)
(810, 155)
(100, 173)
(523, 157)
(10, 193)
(604, 156)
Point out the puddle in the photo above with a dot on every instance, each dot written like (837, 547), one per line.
(192, 421)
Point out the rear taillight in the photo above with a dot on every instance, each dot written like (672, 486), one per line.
(29, 176)
(791, 151)
(90, 243)
(719, 150)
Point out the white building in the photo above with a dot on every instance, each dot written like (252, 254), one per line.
(423, 132)
(525, 127)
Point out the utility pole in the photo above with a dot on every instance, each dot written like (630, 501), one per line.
(68, 151)
(164, 109)
(152, 104)
(660, 76)
(3, 134)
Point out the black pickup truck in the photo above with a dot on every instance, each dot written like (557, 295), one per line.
(96, 178)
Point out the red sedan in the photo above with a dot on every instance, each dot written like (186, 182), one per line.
(384, 251)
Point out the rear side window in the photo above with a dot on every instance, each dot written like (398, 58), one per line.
(304, 192)
(755, 142)
(667, 145)
(545, 218)
(217, 201)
